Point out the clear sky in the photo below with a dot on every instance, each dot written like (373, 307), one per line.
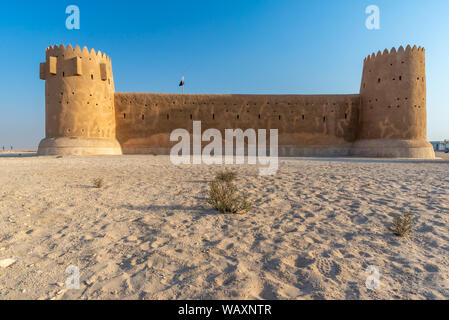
(244, 46)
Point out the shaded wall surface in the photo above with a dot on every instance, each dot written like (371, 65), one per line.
(307, 124)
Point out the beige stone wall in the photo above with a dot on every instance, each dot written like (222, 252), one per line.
(145, 121)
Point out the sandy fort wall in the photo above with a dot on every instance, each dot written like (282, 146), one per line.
(84, 115)
(308, 125)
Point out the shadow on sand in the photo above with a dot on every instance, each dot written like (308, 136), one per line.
(201, 210)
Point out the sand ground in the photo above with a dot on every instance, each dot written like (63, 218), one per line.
(149, 233)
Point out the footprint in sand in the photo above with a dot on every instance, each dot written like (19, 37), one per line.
(431, 268)
(304, 261)
(225, 279)
(327, 267)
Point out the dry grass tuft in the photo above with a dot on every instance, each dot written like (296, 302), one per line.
(402, 225)
(98, 183)
(226, 176)
(224, 197)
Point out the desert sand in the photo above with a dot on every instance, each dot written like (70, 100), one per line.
(149, 234)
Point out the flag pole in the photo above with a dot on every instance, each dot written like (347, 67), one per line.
(182, 84)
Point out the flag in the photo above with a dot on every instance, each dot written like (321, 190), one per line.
(181, 84)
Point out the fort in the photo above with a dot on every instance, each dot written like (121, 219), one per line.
(85, 116)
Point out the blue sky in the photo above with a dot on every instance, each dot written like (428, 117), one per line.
(295, 47)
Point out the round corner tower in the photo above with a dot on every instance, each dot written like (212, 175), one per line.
(79, 103)
(393, 120)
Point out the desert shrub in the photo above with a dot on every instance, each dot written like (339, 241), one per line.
(224, 197)
(98, 183)
(226, 176)
(402, 225)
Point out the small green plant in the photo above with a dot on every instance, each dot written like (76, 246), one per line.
(226, 176)
(224, 197)
(402, 225)
(98, 183)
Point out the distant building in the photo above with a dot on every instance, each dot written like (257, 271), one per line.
(439, 145)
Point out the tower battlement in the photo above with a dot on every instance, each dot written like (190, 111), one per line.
(394, 65)
(394, 54)
(69, 62)
(60, 50)
(387, 118)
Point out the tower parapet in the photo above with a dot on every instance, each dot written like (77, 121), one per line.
(79, 95)
(393, 121)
